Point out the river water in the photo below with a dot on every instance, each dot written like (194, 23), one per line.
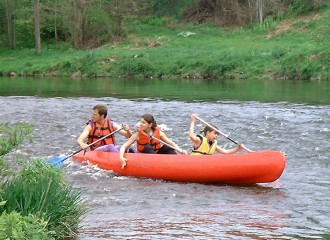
(296, 206)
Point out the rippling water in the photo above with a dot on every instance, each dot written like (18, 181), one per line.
(294, 207)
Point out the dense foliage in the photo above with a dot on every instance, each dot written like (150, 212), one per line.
(36, 202)
(12, 135)
(205, 39)
(40, 190)
(14, 226)
(88, 24)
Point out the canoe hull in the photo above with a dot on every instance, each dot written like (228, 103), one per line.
(246, 168)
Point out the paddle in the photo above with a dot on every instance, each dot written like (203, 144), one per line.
(55, 161)
(226, 136)
(179, 150)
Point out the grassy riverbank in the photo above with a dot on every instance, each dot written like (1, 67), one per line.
(158, 48)
(36, 201)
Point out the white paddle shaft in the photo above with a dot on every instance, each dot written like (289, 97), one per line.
(225, 135)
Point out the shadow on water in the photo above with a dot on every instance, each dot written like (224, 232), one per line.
(311, 92)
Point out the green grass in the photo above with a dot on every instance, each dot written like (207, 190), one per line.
(36, 202)
(163, 48)
(41, 190)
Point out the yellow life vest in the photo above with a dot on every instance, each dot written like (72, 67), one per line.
(205, 147)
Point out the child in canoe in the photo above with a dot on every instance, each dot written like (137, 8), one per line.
(207, 143)
(149, 139)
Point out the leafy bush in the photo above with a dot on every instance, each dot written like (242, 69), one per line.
(14, 226)
(218, 70)
(4, 169)
(24, 33)
(12, 135)
(41, 190)
(136, 66)
(304, 6)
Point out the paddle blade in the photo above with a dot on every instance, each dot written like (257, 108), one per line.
(56, 161)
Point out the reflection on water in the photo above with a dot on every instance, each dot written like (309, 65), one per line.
(190, 211)
(188, 90)
(195, 225)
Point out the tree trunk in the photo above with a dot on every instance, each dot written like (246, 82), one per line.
(260, 11)
(37, 26)
(250, 11)
(55, 22)
(118, 18)
(78, 23)
(14, 25)
(9, 24)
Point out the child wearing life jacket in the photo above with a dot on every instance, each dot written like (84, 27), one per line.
(149, 139)
(207, 143)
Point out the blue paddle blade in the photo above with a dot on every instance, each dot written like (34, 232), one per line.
(57, 161)
(57, 164)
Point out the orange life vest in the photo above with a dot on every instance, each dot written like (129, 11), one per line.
(144, 139)
(99, 131)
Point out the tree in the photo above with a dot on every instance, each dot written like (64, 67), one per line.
(11, 25)
(55, 22)
(78, 16)
(260, 10)
(123, 9)
(37, 26)
(227, 12)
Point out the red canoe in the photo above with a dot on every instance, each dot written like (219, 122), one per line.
(246, 168)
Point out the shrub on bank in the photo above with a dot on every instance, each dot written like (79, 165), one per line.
(37, 202)
(12, 135)
(14, 226)
(41, 190)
